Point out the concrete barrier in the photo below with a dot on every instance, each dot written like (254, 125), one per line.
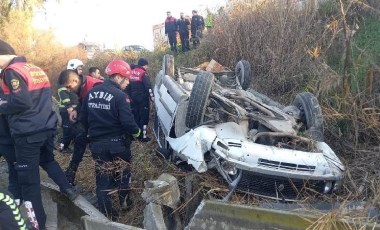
(223, 216)
(92, 223)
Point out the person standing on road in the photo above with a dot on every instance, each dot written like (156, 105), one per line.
(171, 31)
(32, 124)
(197, 27)
(80, 135)
(107, 116)
(184, 28)
(140, 91)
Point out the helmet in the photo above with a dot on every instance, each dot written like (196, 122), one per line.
(74, 63)
(118, 67)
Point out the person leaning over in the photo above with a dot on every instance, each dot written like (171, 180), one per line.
(107, 117)
(80, 136)
(32, 124)
(68, 82)
(7, 150)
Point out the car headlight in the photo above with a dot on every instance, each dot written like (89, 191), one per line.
(337, 185)
(229, 168)
(328, 187)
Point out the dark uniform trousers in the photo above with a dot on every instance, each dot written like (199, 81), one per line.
(8, 152)
(140, 108)
(67, 130)
(172, 36)
(32, 151)
(103, 152)
(80, 144)
(185, 41)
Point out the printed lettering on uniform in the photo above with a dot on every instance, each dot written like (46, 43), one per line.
(100, 100)
(15, 83)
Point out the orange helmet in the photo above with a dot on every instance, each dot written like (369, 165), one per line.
(118, 67)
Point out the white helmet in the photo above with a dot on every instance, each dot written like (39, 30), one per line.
(74, 63)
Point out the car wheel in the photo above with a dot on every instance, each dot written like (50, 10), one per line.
(168, 65)
(311, 114)
(199, 98)
(243, 73)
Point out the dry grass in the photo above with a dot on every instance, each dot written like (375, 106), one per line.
(286, 47)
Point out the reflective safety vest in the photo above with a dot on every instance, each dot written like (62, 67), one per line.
(16, 219)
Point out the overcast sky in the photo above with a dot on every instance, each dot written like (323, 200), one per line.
(114, 23)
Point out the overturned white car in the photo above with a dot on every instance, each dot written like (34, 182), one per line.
(258, 145)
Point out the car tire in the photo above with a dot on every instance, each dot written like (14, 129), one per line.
(199, 98)
(168, 65)
(243, 73)
(311, 114)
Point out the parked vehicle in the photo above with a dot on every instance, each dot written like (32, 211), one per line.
(134, 48)
(213, 121)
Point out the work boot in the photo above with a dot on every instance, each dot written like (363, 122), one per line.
(70, 173)
(71, 193)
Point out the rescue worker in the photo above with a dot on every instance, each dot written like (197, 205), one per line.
(68, 81)
(197, 27)
(7, 150)
(80, 136)
(140, 91)
(107, 116)
(10, 215)
(184, 28)
(171, 31)
(95, 73)
(32, 124)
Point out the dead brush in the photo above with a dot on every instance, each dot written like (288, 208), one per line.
(276, 38)
(111, 168)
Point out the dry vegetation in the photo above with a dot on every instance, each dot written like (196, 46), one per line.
(290, 50)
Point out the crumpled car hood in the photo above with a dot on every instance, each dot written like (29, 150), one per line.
(193, 145)
(230, 143)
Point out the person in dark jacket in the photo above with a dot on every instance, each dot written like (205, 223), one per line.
(171, 31)
(80, 136)
(68, 82)
(32, 124)
(10, 215)
(184, 28)
(197, 27)
(7, 150)
(107, 116)
(140, 91)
